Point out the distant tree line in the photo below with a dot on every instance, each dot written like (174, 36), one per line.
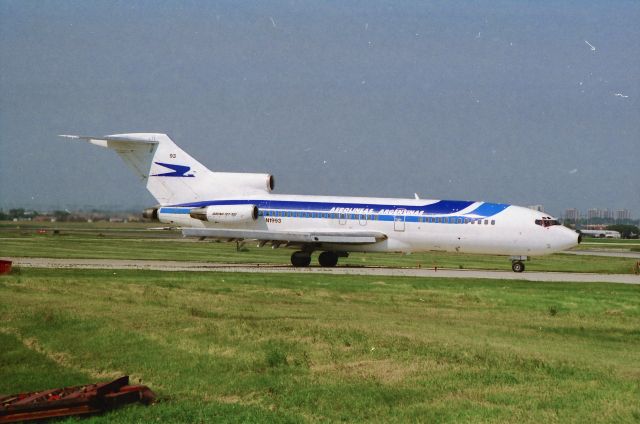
(15, 213)
(21, 213)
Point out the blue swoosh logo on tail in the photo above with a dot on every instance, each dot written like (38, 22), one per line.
(176, 170)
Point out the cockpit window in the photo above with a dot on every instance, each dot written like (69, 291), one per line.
(547, 222)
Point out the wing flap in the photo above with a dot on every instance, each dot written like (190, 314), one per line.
(355, 237)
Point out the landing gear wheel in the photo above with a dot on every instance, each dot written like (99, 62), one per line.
(517, 266)
(328, 259)
(300, 259)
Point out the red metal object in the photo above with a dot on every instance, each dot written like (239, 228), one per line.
(68, 401)
(5, 266)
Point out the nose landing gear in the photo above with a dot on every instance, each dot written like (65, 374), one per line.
(517, 264)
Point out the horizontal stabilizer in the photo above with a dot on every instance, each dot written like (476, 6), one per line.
(103, 140)
(343, 237)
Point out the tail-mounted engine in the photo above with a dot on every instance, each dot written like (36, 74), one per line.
(243, 182)
(150, 213)
(226, 214)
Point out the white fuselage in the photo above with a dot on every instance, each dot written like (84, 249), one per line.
(411, 225)
(241, 206)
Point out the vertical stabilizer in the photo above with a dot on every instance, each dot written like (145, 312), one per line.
(172, 175)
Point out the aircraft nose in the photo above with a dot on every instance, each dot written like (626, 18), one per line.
(570, 238)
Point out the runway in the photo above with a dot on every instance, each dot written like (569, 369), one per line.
(268, 268)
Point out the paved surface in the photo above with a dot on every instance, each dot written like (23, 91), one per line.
(408, 272)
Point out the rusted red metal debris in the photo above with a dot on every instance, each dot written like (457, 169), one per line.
(5, 266)
(68, 401)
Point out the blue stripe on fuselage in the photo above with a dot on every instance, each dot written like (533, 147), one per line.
(488, 209)
(175, 210)
(442, 207)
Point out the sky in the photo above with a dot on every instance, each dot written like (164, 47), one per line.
(521, 102)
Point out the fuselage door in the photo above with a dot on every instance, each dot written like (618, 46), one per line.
(398, 220)
(362, 219)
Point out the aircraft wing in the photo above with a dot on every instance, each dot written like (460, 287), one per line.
(288, 237)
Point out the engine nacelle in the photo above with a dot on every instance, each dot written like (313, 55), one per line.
(150, 213)
(247, 182)
(226, 214)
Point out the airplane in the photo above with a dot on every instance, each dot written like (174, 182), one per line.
(242, 207)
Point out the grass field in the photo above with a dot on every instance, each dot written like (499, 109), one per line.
(609, 244)
(307, 348)
(135, 241)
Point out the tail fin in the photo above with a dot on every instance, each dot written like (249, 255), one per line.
(172, 175)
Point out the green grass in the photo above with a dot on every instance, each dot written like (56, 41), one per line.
(607, 244)
(306, 348)
(131, 241)
(605, 241)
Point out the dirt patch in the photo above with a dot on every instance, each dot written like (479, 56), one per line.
(62, 358)
(385, 371)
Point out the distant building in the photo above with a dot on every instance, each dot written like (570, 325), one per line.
(594, 213)
(572, 214)
(594, 227)
(538, 208)
(623, 214)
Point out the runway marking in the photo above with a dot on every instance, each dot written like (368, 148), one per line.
(271, 268)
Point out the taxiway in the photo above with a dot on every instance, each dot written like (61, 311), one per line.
(269, 268)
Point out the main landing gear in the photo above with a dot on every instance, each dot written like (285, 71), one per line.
(517, 264)
(300, 259)
(326, 259)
